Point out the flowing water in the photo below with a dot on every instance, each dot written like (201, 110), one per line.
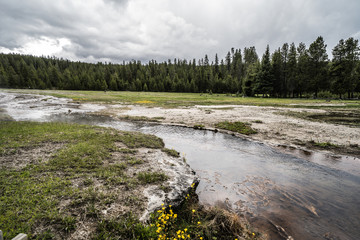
(304, 195)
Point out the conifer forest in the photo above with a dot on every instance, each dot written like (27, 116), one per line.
(289, 71)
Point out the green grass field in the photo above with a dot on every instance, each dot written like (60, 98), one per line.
(170, 100)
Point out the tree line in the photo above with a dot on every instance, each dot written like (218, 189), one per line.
(290, 71)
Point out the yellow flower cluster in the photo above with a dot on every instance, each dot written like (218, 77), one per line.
(144, 101)
(164, 224)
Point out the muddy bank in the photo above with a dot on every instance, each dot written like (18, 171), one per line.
(274, 125)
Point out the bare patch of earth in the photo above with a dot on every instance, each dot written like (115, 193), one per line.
(34, 155)
(273, 124)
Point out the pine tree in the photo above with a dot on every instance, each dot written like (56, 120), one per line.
(352, 57)
(338, 69)
(251, 68)
(292, 70)
(265, 79)
(216, 64)
(276, 67)
(228, 62)
(302, 69)
(284, 69)
(318, 60)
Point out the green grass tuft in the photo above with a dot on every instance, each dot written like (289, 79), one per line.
(199, 126)
(171, 152)
(151, 177)
(137, 140)
(324, 145)
(238, 127)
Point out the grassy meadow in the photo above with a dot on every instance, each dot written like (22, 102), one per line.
(171, 100)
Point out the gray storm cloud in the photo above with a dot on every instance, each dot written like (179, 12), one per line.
(116, 30)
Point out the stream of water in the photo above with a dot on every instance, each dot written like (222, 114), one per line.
(309, 197)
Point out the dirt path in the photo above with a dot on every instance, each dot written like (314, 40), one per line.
(273, 127)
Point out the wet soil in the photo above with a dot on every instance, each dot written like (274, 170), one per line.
(274, 125)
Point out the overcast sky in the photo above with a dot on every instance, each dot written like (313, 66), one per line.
(117, 30)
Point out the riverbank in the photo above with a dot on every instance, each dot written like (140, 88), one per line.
(69, 181)
(277, 126)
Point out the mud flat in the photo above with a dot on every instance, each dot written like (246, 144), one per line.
(274, 125)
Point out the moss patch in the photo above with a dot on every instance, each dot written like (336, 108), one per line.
(171, 152)
(238, 127)
(345, 117)
(140, 118)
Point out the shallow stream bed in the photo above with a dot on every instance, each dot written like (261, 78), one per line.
(304, 195)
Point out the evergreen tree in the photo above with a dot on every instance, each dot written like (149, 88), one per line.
(228, 62)
(318, 61)
(251, 78)
(284, 69)
(302, 69)
(352, 58)
(237, 69)
(251, 69)
(276, 71)
(265, 77)
(338, 69)
(292, 70)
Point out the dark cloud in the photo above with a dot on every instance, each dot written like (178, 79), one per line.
(116, 30)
